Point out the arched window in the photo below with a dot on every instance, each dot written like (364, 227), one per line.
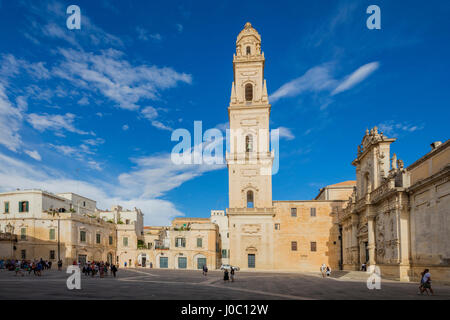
(249, 143)
(249, 199)
(248, 92)
(248, 50)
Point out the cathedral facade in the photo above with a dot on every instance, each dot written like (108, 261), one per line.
(392, 216)
(267, 234)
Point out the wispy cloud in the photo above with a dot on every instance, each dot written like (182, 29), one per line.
(55, 12)
(315, 79)
(118, 80)
(145, 35)
(286, 133)
(320, 79)
(356, 77)
(10, 122)
(394, 129)
(54, 122)
(34, 154)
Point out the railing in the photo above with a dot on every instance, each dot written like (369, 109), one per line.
(250, 210)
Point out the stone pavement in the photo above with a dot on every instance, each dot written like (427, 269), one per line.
(185, 284)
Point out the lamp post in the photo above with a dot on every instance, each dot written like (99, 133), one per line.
(10, 230)
(59, 241)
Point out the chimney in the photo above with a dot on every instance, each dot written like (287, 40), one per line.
(435, 144)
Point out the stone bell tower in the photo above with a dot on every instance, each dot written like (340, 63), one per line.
(249, 158)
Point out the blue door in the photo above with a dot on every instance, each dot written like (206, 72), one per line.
(201, 262)
(163, 262)
(251, 260)
(182, 262)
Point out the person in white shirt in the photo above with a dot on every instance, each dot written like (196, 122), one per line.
(425, 282)
(323, 269)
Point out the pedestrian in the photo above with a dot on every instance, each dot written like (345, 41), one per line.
(60, 265)
(225, 275)
(114, 270)
(426, 282)
(232, 274)
(323, 269)
(17, 269)
(363, 267)
(125, 264)
(205, 270)
(328, 271)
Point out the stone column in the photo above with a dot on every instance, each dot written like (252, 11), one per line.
(355, 247)
(371, 238)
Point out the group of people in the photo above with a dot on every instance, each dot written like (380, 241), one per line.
(20, 267)
(325, 270)
(227, 275)
(101, 268)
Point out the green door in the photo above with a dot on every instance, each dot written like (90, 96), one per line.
(251, 261)
(182, 262)
(163, 262)
(201, 262)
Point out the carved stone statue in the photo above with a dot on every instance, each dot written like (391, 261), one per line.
(394, 161)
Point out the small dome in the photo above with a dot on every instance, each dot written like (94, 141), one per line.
(248, 31)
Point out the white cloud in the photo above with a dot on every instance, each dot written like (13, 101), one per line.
(356, 77)
(114, 77)
(84, 101)
(34, 154)
(314, 80)
(56, 122)
(160, 125)
(286, 133)
(10, 122)
(320, 79)
(55, 12)
(149, 113)
(393, 129)
(155, 175)
(144, 35)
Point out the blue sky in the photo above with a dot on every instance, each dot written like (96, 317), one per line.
(92, 110)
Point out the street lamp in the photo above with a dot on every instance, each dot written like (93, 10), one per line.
(10, 230)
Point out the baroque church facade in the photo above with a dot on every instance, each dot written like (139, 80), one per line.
(393, 217)
(267, 234)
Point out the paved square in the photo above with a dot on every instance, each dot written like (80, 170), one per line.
(180, 284)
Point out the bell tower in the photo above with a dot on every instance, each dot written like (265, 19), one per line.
(249, 159)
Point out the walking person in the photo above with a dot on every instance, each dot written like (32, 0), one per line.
(17, 269)
(59, 265)
(328, 272)
(323, 269)
(114, 270)
(426, 282)
(205, 270)
(232, 274)
(225, 275)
